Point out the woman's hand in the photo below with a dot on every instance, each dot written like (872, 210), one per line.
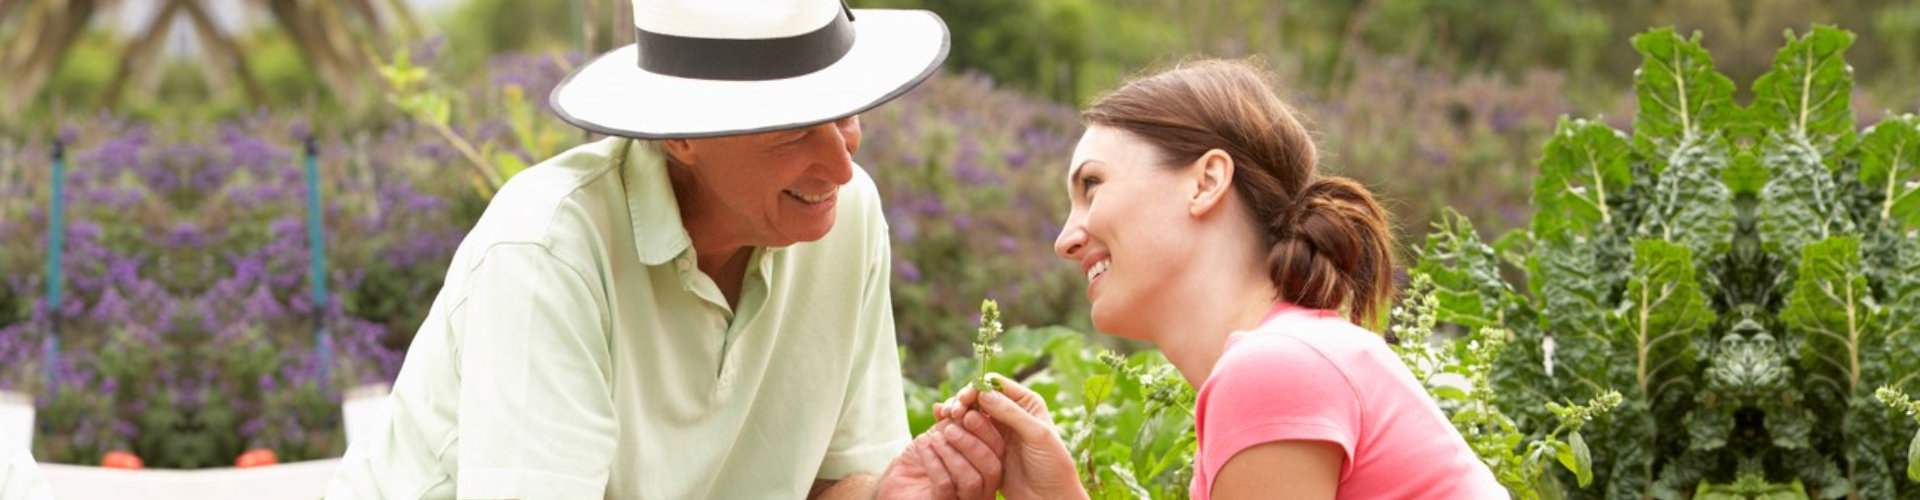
(1037, 464)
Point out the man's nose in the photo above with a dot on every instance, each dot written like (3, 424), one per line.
(837, 151)
(849, 132)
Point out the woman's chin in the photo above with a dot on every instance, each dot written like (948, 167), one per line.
(1108, 323)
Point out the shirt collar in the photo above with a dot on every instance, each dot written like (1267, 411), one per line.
(658, 235)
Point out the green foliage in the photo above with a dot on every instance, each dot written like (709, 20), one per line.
(1458, 375)
(1746, 272)
(1127, 419)
(1802, 107)
(413, 90)
(1898, 400)
(1585, 162)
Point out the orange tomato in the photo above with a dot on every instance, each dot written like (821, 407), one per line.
(257, 457)
(121, 460)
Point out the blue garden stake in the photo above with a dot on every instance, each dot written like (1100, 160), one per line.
(316, 243)
(56, 241)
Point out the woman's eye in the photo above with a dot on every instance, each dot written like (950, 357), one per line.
(1088, 183)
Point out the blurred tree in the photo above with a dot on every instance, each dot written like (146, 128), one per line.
(48, 27)
(333, 37)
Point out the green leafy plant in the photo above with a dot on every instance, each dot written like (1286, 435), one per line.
(1458, 376)
(1899, 401)
(1746, 272)
(1128, 419)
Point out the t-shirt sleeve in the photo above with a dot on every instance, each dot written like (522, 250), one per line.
(536, 417)
(1270, 388)
(872, 429)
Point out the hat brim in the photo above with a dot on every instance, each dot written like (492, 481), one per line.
(893, 51)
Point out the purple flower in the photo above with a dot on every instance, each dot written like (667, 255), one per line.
(931, 206)
(186, 235)
(908, 272)
(111, 309)
(968, 169)
(1016, 159)
(261, 305)
(252, 427)
(299, 129)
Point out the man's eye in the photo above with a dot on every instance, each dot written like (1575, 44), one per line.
(1087, 183)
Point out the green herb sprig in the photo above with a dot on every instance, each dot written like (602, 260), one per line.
(985, 345)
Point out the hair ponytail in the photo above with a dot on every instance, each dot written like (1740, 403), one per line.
(1332, 246)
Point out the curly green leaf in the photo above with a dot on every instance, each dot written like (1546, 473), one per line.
(1806, 94)
(1890, 165)
(1681, 96)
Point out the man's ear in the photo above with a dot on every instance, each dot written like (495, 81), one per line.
(1212, 176)
(680, 151)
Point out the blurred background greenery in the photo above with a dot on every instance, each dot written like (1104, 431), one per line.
(421, 107)
(290, 52)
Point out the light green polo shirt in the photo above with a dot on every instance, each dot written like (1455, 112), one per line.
(577, 352)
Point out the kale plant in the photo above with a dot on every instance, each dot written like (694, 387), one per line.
(1744, 276)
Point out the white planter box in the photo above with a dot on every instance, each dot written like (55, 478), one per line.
(364, 412)
(289, 481)
(16, 423)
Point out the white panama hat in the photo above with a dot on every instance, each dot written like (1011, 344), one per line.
(709, 68)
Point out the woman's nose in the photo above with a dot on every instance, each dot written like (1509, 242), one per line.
(1072, 240)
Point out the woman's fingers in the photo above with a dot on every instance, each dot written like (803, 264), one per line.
(1006, 412)
(959, 403)
(1028, 400)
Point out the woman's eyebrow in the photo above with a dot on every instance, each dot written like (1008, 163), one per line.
(1073, 173)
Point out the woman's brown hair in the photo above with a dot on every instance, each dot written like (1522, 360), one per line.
(1328, 242)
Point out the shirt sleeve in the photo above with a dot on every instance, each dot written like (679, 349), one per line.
(1270, 388)
(873, 418)
(536, 417)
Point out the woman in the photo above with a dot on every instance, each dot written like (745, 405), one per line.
(1203, 228)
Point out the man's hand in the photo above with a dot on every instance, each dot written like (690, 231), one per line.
(951, 460)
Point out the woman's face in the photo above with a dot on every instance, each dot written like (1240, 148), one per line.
(1127, 230)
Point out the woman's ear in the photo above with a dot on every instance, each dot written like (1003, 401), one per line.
(1213, 179)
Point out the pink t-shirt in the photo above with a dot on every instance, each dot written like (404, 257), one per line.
(1311, 375)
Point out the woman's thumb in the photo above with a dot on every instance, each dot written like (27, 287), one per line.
(1004, 411)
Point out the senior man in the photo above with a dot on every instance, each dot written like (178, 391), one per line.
(695, 307)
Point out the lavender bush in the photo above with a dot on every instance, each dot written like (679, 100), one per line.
(187, 331)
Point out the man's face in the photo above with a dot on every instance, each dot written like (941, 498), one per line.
(767, 189)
